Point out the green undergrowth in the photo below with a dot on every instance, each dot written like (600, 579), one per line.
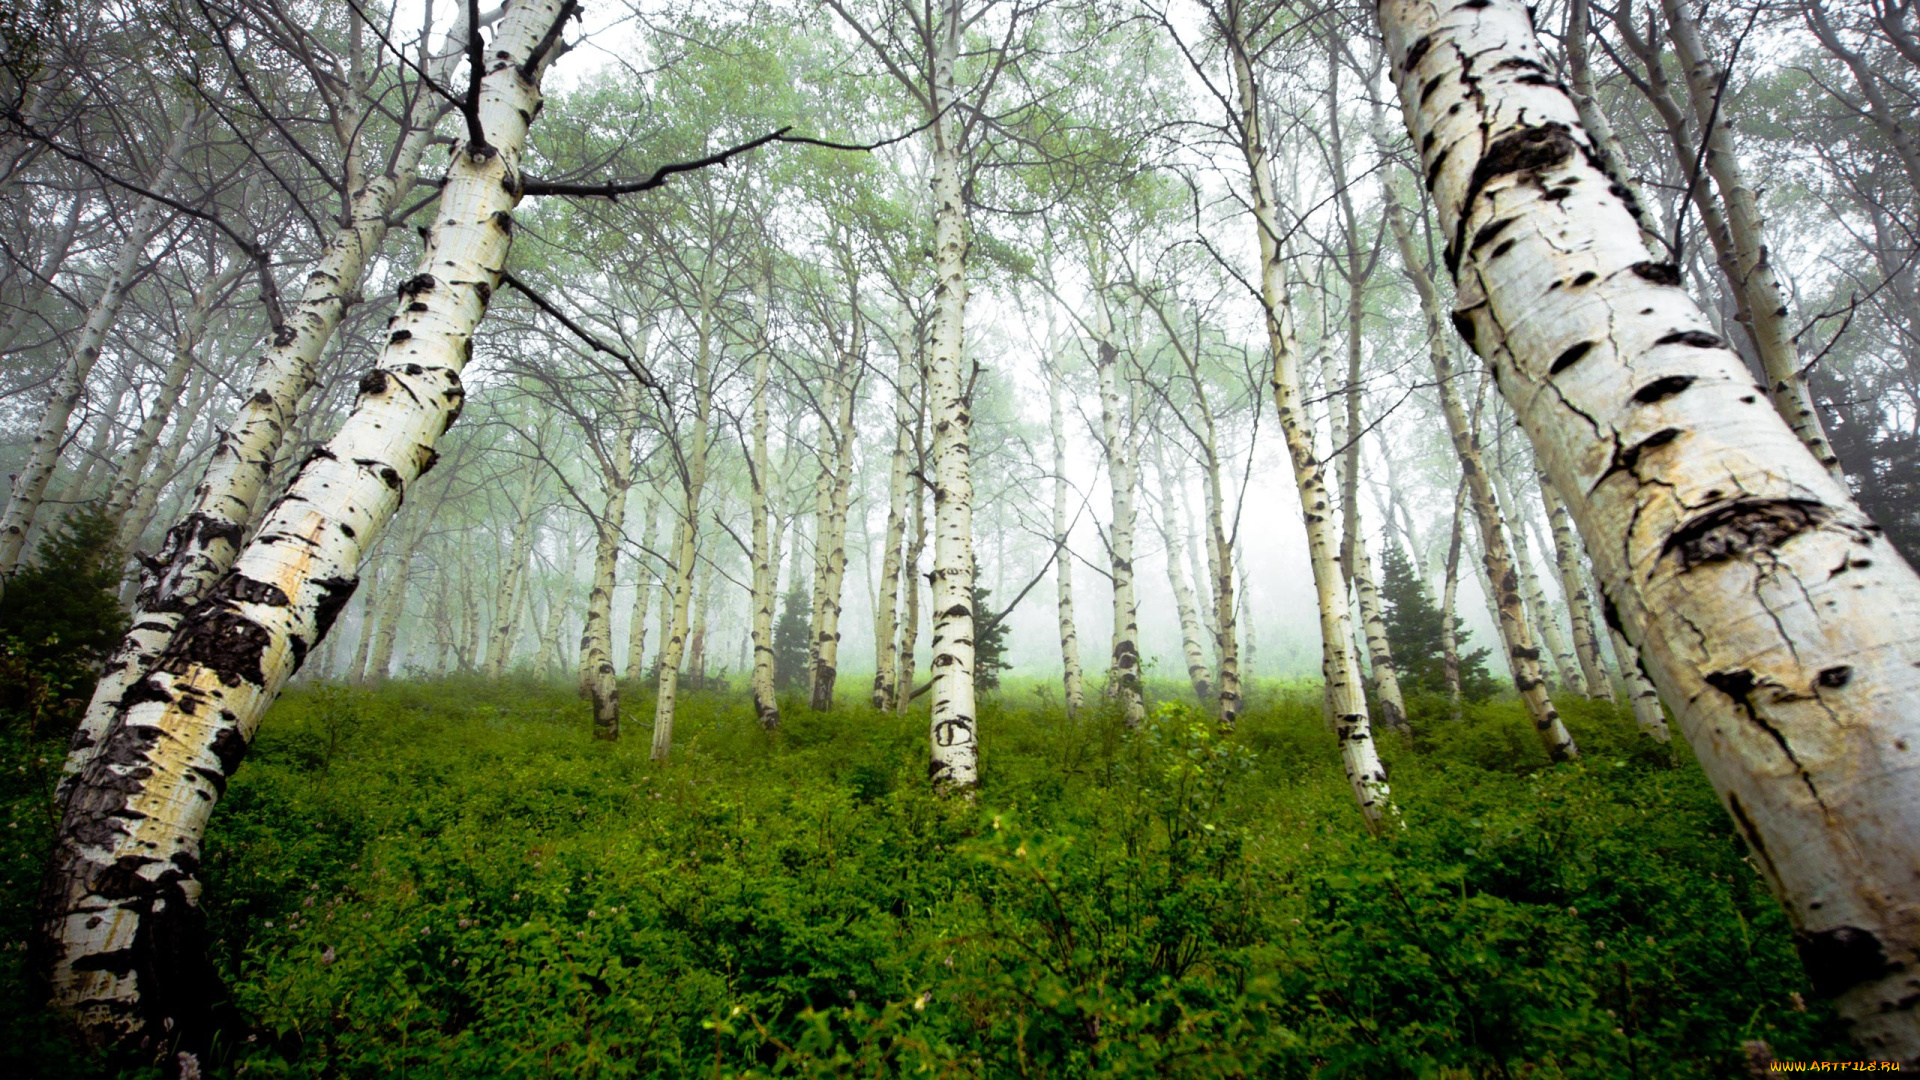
(451, 879)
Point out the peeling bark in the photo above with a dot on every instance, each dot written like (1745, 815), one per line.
(1768, 609)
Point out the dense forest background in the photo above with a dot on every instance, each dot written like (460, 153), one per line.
(1071, 391)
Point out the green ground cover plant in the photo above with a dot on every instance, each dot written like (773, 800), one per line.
(450, 879)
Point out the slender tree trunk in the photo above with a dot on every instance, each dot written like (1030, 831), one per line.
(1184, 605)
(1226, 616)
(53, 257)
(126, 481)
(1753, 271)
(143, 509)
(642, 593)
(1640, 692)
(546, 661)
(80, 483)
(43, 455)
(1594, 118)
(1573, 585)
(910, 575)
(1538, 609)
(203, 544)
(506, 604)
(1503, 593)
(1339, 666)
(830, 549)
(121, 926)
(887, 606)
(766, 570)
(597, 674)
(954, 759)
(357, 669)
(1449, 606)
(1123, 668)
(1766, 606)
(673, 638)
(697, 640)
(1071, 679)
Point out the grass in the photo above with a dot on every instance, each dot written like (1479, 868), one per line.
(451, 879)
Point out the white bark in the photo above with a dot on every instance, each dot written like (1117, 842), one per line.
(1339, 666)
(954, 759)
(887, 606)
(1071, 679)
(1768, 609)
(1539, 613)
(830, 542)
(43, 455)
(766, 704)
(1116, 428)
(1573, 586)
(506, 602)
(673, 639)
(643, 586)
(1185, 607)
(121, 921)
(597, 674)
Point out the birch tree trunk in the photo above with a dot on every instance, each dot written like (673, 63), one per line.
(1123, 667)
(1767, 607)
(1573, 585)
(1503, 592)
(43, 454)
(1072, 682)
(120, 924)
(597, 674)
(910, 576)
(80, 482)
(642, 594)
(830, 552)
(546, 655)
(1339, 667)
(1753, 271)
(1226, 615)
(146, 497)
(1184, 605)
(953, 764)
(766, 704)
(887, 607)
(1538, 610)
(1640, 692)
(357, 667)
(673, 640)
(203, 544)
(506, 604)
(1449, 606)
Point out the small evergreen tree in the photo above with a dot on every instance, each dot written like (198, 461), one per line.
(60, 619)
(989, 642)
(790, 640)
(1414, 629)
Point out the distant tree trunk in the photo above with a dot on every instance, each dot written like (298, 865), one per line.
(1573, 585)
(143, 510)
(597, 674)
(830, 545)
(546, 661)
(357, 668)
(887, 606)
(766, 567)
(1766, 606)
(1538, 610)
(53, 256)
(697, 640)
(80, 481)
(1449, 597)
(1071, 679)
(126, 482)
(1227, 651)
(1339, 666)
(1184, 605)
(1592, 117)
(954, 752)
(1523, 654)
(1123, 667)
(506, 604)
(673, 639)
(70, 384)
(910, 572)
(642, 593)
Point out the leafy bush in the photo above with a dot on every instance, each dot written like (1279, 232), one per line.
(451, 879)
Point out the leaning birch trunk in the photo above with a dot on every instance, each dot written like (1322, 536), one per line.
(1753, 270)
(1503, 583)
(766, 703)
(1185, 607)
(1123, 666)
(80, 483)
(1355, 562)
(506, 603)
(202, 545)
(642, 594)
(357, 667)
(144, 509)
(1535, 597)
(1072, 682)
(887, 608)
(832, 553)
(1640, 692)
(1573, 585)
(597, 674)
(1769, 610)
(1339, 667)
(1449, 605)
(953, 764)
(43, 454)
(120, 924)
(673, 639)
(126, 481)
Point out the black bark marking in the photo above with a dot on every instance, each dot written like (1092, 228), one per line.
(417, 284)
(1488, 232)
(1570, 357)
(222, 640)
(1660, 273)
(248, 591)
(1587, 277)
(1699, 339)
(1735, 529)
(1418, 50)
(399, 336)
(1662, 388)
(1630, 458)
(1835, 677)
(1523, 151)
(373, 383)
(1463, 325)
(1841, 958)
(1433, 84)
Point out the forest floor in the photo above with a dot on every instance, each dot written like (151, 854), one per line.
(451, 879)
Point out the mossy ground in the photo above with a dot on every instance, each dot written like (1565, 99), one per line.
(451, 879)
